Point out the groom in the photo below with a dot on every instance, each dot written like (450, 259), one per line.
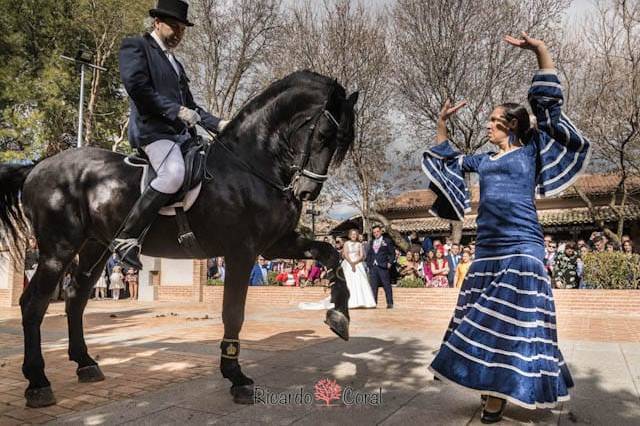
(380, 256)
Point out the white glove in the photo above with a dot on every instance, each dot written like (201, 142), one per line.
(222, 124)
(189, 116)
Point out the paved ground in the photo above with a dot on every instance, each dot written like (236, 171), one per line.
(161, 365)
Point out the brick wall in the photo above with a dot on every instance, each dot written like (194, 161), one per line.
(192, 291)
(578, 301)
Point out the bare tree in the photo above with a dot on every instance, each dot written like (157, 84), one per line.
(107, 22)
(226, 51)
(604, 77)
(453, 49)
(345, 40)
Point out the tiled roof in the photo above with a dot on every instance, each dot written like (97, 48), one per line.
(573, 216)
(596, 184)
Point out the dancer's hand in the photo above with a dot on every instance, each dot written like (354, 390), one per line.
(448, 110)
(535, 45)
(525, 42)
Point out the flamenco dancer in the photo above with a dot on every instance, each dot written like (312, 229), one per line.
(502, 340)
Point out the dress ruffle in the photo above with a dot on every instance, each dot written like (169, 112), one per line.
(502, 339)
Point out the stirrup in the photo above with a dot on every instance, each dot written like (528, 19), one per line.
(127, 251)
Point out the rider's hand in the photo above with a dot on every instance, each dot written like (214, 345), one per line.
(448, 110)
(222, 124)
(189, 116)
(525, 42)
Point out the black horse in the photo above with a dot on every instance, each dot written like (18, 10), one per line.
(273, 155)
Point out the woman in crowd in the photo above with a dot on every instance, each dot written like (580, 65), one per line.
(428, 273)
(502, 340)
(462, 269)
(411, 265)
(360, 295)
(627, 247)
(566, 267)
(439, 269)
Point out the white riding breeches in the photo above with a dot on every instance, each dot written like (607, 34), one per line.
(166, 159)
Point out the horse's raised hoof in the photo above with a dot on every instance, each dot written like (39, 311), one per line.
(338, 323)
(89, 374)
(39, 397)
(243, 394)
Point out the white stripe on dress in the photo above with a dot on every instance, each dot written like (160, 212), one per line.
(516, 307)
(507, 353)
(501, 365)
(510, 320)
(508, 336)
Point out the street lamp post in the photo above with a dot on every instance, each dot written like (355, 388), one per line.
(313, 213)
(83, 58)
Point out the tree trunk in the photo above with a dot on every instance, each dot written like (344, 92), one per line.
(91, 106)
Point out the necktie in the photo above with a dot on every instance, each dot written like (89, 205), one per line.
(173, 61)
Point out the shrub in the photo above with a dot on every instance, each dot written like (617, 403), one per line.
(216, 282)
(612, 270)
(271, 278)
(411, 282)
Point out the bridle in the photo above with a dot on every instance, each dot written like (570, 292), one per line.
(299, 170)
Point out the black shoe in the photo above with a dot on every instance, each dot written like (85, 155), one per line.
(489, 417)
(390, 306)
(127, 243)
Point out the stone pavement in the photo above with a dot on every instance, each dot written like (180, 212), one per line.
(161, 359)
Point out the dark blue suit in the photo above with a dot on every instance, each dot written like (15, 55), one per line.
(453, 263)
(379, 270)
(157, 93)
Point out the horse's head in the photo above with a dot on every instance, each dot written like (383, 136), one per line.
(320, 132)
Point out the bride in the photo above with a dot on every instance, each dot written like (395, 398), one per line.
(355, 274)
(360, 295)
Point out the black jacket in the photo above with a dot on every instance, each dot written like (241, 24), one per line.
(156, 93)
(386, 254)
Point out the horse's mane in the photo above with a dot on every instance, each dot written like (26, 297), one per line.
(259, 107)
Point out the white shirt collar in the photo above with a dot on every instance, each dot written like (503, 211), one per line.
(158, 40)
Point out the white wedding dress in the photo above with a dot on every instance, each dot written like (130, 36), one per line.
(360, 292)
(360, 295)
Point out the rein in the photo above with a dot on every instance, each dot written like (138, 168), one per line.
(299, 170)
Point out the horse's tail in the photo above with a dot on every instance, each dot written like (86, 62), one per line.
(12, 177)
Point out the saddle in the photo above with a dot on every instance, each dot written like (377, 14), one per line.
(195, 155)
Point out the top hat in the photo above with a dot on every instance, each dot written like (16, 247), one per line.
(176, 9)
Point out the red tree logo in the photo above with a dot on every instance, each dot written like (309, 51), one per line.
(327, 390)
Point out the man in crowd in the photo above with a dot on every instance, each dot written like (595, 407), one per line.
(380, 258)
(453, 258)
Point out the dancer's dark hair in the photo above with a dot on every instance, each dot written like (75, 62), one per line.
(512, 110)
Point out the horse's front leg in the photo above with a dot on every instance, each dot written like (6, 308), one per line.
(296, 246)
(233, 304)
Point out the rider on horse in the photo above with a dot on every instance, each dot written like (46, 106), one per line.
(163, 116)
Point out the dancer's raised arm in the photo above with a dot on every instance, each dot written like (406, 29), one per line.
(446, 112)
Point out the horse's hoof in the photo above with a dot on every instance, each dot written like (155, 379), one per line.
(338, 323)
(39, 397)
(89, 374)
(243, 394)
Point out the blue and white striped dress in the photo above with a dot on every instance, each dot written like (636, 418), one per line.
(502, 339)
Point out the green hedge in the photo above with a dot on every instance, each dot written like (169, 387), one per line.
(411, 282)
(612, 270)
(216, 282)
(271, 278)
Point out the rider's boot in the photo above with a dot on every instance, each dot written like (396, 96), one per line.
(127, 243)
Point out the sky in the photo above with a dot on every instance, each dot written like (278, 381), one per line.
(578, 10)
